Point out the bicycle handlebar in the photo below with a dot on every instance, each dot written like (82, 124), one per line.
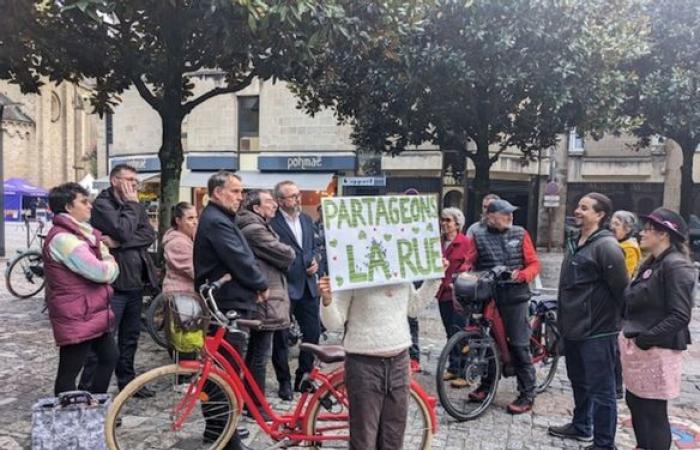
(229, 320)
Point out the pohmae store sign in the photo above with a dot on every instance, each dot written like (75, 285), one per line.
(305, 163)
(379, 240)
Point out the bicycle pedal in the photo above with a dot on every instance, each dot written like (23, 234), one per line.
(327, 403)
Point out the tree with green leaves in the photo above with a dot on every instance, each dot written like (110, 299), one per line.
(157, 47)
(666, 99)
(478, 77)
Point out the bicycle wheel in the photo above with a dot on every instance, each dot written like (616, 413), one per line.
(545, 354)
(24, 277)
(151, 423)
(155, 321)
(473, 356)
(329, 416)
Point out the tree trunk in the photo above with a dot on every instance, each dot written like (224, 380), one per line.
(688, 147)
(482, 179)
(171, 157)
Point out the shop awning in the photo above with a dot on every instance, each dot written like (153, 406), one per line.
(260, 180)
(103, 182)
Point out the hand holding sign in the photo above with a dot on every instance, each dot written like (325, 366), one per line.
(324, 288)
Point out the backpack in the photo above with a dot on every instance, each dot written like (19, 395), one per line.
(187, 321)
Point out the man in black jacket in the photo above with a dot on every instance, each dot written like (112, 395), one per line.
(591, 285)
(123, 221)
(220, 249)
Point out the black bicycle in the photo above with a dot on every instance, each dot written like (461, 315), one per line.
(24, 275)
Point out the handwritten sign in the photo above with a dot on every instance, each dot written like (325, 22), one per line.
(372, 241)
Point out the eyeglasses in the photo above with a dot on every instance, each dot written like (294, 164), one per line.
(445, 219)
(297, 195)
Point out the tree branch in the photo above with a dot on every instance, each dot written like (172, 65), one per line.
(189, 106)
(497, 155)
(146, 93)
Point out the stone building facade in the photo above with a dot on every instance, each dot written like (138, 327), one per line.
(49, 137)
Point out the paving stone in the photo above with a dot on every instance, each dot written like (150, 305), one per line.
(28, 360)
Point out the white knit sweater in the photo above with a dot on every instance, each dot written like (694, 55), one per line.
(375, 319)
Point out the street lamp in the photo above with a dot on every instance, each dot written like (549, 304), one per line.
(2, 180)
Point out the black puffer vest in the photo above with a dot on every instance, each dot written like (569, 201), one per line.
(503, 248)
(498, 248)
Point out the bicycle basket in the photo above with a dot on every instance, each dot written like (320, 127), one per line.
(472, 287)
(187, 321)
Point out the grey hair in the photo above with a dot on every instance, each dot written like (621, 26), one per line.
(491, 197)
(278, 187)
(252, 198)
(219, 179)
(456, 215)
(629, 220)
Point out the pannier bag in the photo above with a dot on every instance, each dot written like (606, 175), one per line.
(472, 287)
(187, 322)
(72, 421)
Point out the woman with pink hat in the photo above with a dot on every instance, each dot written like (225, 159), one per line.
(655, 331)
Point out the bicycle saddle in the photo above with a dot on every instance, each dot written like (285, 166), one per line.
(325, 353)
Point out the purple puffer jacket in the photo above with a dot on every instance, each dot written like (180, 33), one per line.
(78, 308)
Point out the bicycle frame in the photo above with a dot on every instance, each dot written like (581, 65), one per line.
(282, 427)
(287, 426)
(220, 357)
(492, 322)
(493, 325)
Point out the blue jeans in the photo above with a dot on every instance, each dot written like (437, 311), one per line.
(590, 365)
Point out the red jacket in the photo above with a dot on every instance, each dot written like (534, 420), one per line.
(456, 253)
(79, 309)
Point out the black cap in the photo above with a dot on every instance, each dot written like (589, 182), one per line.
(500, 206)
(670, 221)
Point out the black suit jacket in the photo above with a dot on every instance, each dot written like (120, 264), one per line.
(297, 279)
(220, 248)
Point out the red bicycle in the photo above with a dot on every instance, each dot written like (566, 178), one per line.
(481, 348)
(210, 388)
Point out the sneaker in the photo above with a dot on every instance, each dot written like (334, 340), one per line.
(210, 436)
(459, 383)
(144, 392)
(448, 376)
(569, 431)
(521, 405)
(285, 391)
(415, 366)
(595, 447)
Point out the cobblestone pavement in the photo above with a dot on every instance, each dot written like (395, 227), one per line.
(28, 360)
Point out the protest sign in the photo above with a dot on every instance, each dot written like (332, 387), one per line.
(372, 241)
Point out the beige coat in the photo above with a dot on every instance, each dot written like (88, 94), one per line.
(274, 258)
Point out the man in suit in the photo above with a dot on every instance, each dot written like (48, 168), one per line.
(296, 229)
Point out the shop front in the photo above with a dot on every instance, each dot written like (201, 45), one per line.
(199, 167)
(315, 174)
